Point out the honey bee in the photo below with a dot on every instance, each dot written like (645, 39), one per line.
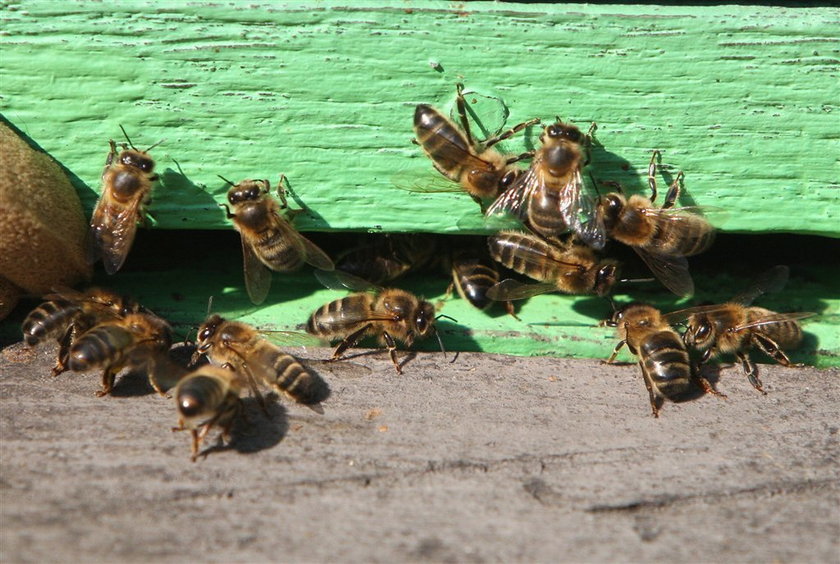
(735, 327)
(480, 169)
(662, 355)
(390, 314)
(389, 257)
(473, 275)
(126, 191)
(207, 397)
(571, 268)
(548, 197)
(269, 241)
(240, 347)
(662, 237)
(67, 314)
(131, 341)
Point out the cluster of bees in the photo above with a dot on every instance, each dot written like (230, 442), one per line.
(561, 231)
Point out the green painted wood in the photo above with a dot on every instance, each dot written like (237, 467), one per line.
(742, 98)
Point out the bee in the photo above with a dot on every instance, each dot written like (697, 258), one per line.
(390, 314)
(474, 274)
(269, 241)
(67, 314)
(480, 169)
(662, 237)
(735, 327)
(662, 355)
(126, 191)
(132, 341)
(240, 347)
(206, 397)
(549, 197)
(389, 257)
(571, 268)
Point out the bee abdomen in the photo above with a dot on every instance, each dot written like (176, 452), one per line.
(99, 346)
(332, 318)
(47, 320)
(473, 281)
(279, 253)
(665, 359)
(293, 379)
(686, 238)
(199, 395)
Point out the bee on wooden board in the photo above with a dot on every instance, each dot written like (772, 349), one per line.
(570, 268)
(242, 348)
(390, 314)
(735, 326)
(208, 397)
(126, 191)
(67, 314)
(662, 355)
(549, 197)
(133, 341)
(478, 167)
(269, 241)
(662, 237)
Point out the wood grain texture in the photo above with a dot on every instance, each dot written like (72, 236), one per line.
(742, 98)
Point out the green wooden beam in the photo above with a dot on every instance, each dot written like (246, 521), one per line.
(742, 98)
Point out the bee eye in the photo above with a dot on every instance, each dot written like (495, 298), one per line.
(702, 332)
(421, 323)
(552, 131)
(507, 179)
(573, 135)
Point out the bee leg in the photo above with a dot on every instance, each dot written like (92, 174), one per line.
(520, 157)
(587, 143)
(655, 402)
(750, 371)
(614, 353)
(349, 341)
(461, 105)
(771, 349)
(511, 310)
(64, 351)
(392, 350)
(510, 132)
(652, 175)
(108, 377)
(673, 191)
(705, 385)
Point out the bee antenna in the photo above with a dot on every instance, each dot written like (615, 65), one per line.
(447, 317)
(127, 138)
(440, 342)
(155, 145)
(230, 183)
(635, 280)
(209, 306)
(595, 184)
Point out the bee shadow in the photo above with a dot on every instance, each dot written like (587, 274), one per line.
(256, 429)
(176, 182)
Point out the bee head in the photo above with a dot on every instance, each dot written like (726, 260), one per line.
(560, 130)
(700, 332)
(424, 318)
(138, 160)
(247, 191)
(192, 395)
(207, 330)
(605, 279)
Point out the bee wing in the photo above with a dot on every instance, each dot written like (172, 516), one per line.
(257, 274)
(683, 314)
(514, 200)
(293, 339)
(771, 280)
(671, 270)
(775, 318)
(111, 234)
(587, 223)
(340, 280)
(510, 289)
(315, 256)
(426, 182)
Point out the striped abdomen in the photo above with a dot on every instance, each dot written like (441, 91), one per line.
(442, 141)
(50, 319)
(340, 317)
(544, 212)
(289, 376)
(106, 344)
(786, 333)
(689, 235)
(473, 277)
(279, 248)
(664, 359)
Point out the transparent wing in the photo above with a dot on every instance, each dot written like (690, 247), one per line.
(510, 289)
(340, 280)
(683, 314)
(514, 200)
(771, 280)
(671, 270)
(314, 256)
(112, 231)
(775, 318)
(257, 274)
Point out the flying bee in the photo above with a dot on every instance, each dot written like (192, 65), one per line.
(67, 314)
(207, 397)
(549, 196)
(240, 347)
(269, 241)
(571, 268)
(662, 355)
(735, 326)
(126, 191)
(131, 341)
(662, 237)
(478, 167)
(389, 313)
